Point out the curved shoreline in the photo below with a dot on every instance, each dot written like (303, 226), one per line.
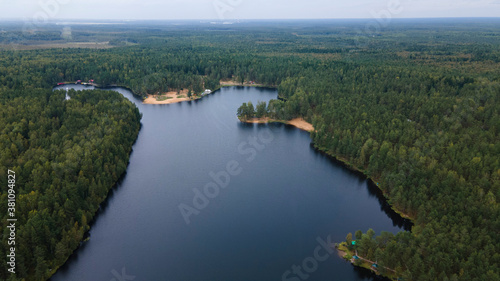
(343, 253)
(346, 254)
(341, 159)
(172, 96)
(167, 98)
(304, 125)
(299, 123)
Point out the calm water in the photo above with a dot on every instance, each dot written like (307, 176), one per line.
(282, 198)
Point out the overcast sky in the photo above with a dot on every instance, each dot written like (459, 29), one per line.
(245, 9)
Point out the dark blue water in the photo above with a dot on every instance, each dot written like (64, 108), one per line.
(281, 204)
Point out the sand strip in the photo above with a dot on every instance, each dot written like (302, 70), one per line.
(171, 97)
(297, 122)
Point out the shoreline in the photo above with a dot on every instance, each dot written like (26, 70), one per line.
(167, 98)
(171, 96)
(348, 255)
(342, 250)
(299, 123)
(230, 83)
(341, 159)
(374, 181)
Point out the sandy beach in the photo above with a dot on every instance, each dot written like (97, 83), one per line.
(171, 97)
(301, 124)
(297, 122)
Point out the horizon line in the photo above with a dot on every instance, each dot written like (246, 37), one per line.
(248, 19)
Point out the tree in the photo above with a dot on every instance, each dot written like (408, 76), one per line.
(370, 233)
(348, 240)
(241, 112)
(250, 110)
(261, 109)
(246, 111)
(358, 234)
(426, 126)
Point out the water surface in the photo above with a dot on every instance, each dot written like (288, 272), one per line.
(270, 216)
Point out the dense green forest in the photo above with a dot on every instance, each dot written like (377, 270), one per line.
(66, 156)
(414, 106)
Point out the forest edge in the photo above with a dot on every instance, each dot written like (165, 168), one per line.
(300, 123)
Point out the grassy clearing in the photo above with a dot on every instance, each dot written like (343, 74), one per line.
(162, 98)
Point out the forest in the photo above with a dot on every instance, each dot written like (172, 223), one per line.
(414, 106)
(66, 155)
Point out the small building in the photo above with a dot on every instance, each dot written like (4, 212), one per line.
(207, 91)
(353, 242)
(355, 257)
(78, 82)
(375, 265)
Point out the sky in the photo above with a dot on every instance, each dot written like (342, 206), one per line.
(41, 10)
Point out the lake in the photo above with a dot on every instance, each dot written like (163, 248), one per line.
(206, 197)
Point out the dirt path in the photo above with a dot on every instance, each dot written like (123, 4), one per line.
(372, 262)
